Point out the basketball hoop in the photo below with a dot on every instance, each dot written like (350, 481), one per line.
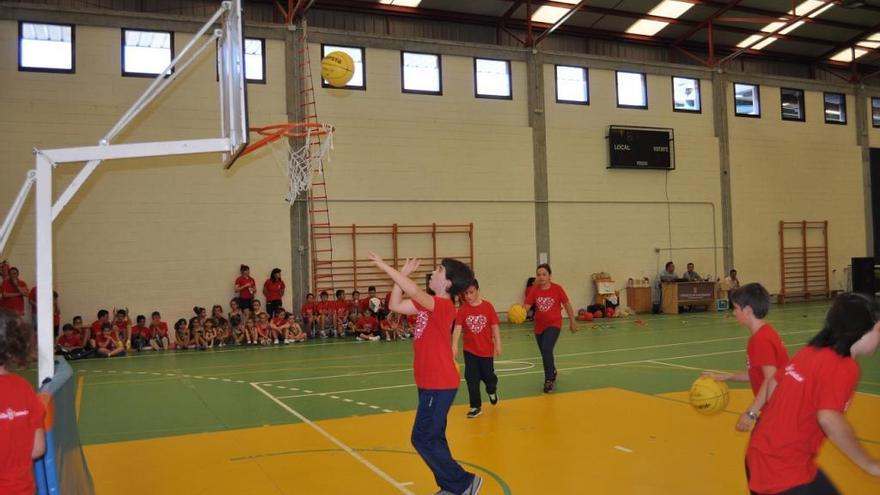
(301, 163)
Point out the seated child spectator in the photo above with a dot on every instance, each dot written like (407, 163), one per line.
(107, 342)
(264, 332)
(250, 331)
(140, 334)
(279, 326)
(84, 332)
(324, 313)
(95, 328)
(210, 333)
(70, 344)
(123, 327)
(340, 314)
(159, 332)
(391, 327)
(182, 335)
(354, 308)
(307, 313)
(197, 333)
(234, 309)
(237, 332)
(296, 333)
(367, 327)
(217, 314)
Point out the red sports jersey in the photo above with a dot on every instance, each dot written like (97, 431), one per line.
(476, 325)
(159, 329)
(109, 340)
(432, 346)
(548, 306)
(341, 308)
(786, 440)
(307, 310)
(96, 328)
(279, 322)
(324, 307)
(21, 415)
(14, 303)
(368, 323)
(247, 292)
(70, 341)
(765, 348)
(139, 330)
(262, 329)
(274, 290)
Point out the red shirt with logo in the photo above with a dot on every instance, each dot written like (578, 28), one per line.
(21, 415)
(324, 307)
(70, 341)
(432, 346)
(14, 303)
(274, 289)
(765, 348)
(340, 307)
(786, 440)
(476, 324)
(307, 310)
(108, 341)
(367, 323)
(159, 329)
(548, 306)
(247, 292)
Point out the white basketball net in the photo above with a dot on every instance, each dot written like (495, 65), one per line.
(303, 163)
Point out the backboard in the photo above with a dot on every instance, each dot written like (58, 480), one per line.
(233, 87)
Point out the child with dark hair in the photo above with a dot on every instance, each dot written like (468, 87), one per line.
(70, 344)
(95, 328)
(806, 402)
(435, 371)
(765, 352)
(273, 289)
(245, 287)
(159, 332)
(482, 342)
(123, 327)
(140, 334)
(340, 314)
(324, 313)
(307, 313)
(367, 327)
(548, 299)
(13, 292)
(21, 412)
(279, 326)
(295, 333)
(182, 336)
(107, 342)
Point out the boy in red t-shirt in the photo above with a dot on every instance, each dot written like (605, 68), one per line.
(367, 327)
(307, 313)
(435, 370)
(107, 342)
(95, 328)
(324, 313)
(806, 402)
(391, 327)
(140, 334)
(340, 314)
(482, 342)
(21, 411)
(68, 341)
(765, 352)
(354, 308)
(159, 332)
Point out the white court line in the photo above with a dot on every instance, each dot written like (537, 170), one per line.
(352, 391)
(365, 373)
(382, 474)
(682, 366)
(623, 449)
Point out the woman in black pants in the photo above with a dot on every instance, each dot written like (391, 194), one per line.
(548, 299)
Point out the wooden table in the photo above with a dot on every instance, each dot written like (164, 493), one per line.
(675, 294)
(638, 299)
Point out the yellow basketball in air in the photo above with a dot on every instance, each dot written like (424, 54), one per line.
(516, 313)
(337, 68)
(709, 396)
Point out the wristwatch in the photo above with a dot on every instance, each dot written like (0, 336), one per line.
(752, 415)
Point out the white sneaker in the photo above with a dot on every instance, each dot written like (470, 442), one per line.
(374, 337)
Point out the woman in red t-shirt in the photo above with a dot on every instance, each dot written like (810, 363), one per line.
(13, 292)
(273, 289)
(548, 298)
(482, 342)
(245, 287)
(21, 412)
(806, 402)
(435, 370)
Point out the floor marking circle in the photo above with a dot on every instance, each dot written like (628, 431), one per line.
(524, 365)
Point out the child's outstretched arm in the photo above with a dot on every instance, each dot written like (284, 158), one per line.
(403, 283)
(841, 434)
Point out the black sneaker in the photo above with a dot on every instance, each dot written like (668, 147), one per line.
(474, 412)
(548, 387)
(493, 399)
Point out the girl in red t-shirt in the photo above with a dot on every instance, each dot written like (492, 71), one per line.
(435, 370)
(21, 412)
(273, 289)
(307, 313)
(482, 342)
(806, 401)
(367, 327)
(245, 287)
(548, 298)
(280, 326)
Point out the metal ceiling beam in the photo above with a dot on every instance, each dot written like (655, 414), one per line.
(850, 42)
(560, 22)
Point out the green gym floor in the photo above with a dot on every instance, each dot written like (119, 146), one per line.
(334, 416)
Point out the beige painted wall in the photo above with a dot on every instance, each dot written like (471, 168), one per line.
(163, 233)
(793, 171)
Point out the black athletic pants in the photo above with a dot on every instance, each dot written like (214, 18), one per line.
(546, 343)
(820, 485)
(476, 369)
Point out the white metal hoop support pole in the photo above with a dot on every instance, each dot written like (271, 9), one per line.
(12, 216)
(45, 349)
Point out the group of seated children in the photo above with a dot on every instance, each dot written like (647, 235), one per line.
(107, 337)
(367, 318)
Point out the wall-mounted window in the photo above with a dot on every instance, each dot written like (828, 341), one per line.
(359, 79)
(492, 79)
(632, 90)
(572, 85)
(792, 101)
(421, 73)
(747, 100)
(835, 108)
(255, 60)
(146, 53)
(686, 94)
(875, 111)
(45, 47)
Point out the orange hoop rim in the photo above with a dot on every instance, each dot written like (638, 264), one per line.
(274, 132)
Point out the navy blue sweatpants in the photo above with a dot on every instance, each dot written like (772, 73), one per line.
(429, 439)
